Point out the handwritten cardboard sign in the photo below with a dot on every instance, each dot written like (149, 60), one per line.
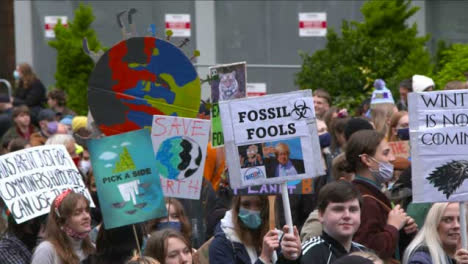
(180, 150)
(400, 149)
(31, 178)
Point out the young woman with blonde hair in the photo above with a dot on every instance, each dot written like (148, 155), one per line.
(439, 238)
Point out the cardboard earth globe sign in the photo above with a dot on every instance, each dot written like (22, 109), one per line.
(138, 78)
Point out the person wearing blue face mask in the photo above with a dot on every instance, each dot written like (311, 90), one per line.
(370, 157)
(176, 219)
(243, 236)
(29, 89)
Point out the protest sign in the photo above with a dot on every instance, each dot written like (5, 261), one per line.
(128, 187)
(228, 82)
(140, 77)
(400, 149)
(31, 178)
(304, 186)
(271, 139)
(180, 148)
(439, 145)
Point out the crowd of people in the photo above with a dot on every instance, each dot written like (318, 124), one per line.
(360, 212)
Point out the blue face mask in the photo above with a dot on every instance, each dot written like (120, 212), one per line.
(171, 224)
(403, 133)
(325, 140)
(250, 218)
(16, 75)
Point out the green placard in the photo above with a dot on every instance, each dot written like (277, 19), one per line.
(217, 138)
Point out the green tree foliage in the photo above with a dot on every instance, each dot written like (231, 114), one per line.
(73, 65)
(125, 162)
(454, 65)
(382, 46)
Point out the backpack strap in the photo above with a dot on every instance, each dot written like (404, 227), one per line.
(380, 202)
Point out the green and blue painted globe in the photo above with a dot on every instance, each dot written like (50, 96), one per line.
(138, 78)
(178, 158)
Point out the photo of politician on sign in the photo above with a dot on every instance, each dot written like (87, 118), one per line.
(251, 155)
(271, 139)
(283, 158)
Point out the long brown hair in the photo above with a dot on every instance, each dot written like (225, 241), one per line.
(57, 237)
(156, 246)
(27, 75)
(186, 229)
(361, 142)
(246, 235)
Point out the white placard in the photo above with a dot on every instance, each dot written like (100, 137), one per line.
(180, 146)
(256, 89)
(271, 139)
(31, 178)
(51, 22)
(439, 145)
(312, 24)
(179, 24)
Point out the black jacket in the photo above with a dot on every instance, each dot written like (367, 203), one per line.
(224, 251)
(325, 250)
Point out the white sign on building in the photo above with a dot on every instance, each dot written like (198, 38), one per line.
(312, 24)
(51, 22)
(256, 89)
(179, 24)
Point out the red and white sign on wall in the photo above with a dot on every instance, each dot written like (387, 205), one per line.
(179, 24)
(256, 89)
(50, 22)
(312, 24)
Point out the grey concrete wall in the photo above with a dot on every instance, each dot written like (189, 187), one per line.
(266, 32)
(447, 20)
(108, 32)
(263, 33)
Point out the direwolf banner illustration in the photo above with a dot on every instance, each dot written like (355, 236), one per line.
(439, 145)
(128, 186)
(271, 139)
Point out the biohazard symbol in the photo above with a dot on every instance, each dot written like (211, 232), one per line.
(301, 110)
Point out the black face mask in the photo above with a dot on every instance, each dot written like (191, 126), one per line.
(403, 133)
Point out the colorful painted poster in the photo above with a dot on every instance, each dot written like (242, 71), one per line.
(31, 178)
(228, 82)
(304, 186)
(180, 150)
(138, 78)
(439, 145)
(271, 139)
(128, 187)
